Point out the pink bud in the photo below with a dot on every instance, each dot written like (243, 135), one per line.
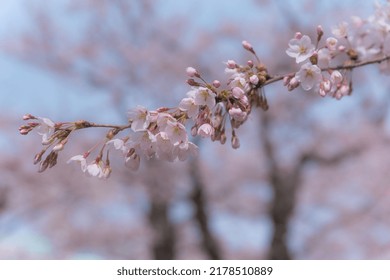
(250, 63)
(320, 31)
(194, 131)
(192, 82)
(298, 35)
(216, 83)
(342, 48)
(336, 77)
(254, 79)
(58, 147)
(344, 90)
(322, 92)
(231, 64)
(247, 46)
(293, 84)
(192, 72)
(24, 131)
(205, 130)
(327, 85)
(28, 117)
(235, 142)
(237, 92)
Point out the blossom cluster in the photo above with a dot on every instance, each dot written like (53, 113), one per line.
(359, 40)
(211, 106)
(217, 109)
(161, 133)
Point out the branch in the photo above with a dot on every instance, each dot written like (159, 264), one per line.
(213, 106)
(350, 66)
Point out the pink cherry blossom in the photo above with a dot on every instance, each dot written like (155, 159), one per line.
(237, 92)
(237, 114)
(192, 72)
(254, 79)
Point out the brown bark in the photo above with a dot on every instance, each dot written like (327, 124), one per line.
(198, 197)
(164, 234)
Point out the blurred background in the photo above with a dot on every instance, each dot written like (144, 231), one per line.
(310, 180)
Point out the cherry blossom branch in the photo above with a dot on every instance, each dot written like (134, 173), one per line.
(351, 66)
(216, 108)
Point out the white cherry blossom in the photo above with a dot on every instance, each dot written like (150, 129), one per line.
(341, 30)
(95, 169)
(204, 96)
(300, 49)
(118, 144)
(81, 159)
(164, 147)
(185, 150)
(46, 128)
(188, 105)
(139, 118)
(176, 132)
(133, 161)
(205, 130)
(309, 75)
(144, 141)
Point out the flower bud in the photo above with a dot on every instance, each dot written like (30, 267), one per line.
(28, 117)
(194, 131)
(320, 32)
(216, 83)
(192, 82)
(342, 48)
(298, 35)
(223, 138)
(24, 131)
(235, 142)
(231, 64)
(237, 92)
(254, 79)
(293, 84)
(58, 147)
(192, 72)
(247, 46)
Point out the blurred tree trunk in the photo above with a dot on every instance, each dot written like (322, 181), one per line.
(163, 230)
(284, 186)
(198, 197)
(3, 199)
(164, 235)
